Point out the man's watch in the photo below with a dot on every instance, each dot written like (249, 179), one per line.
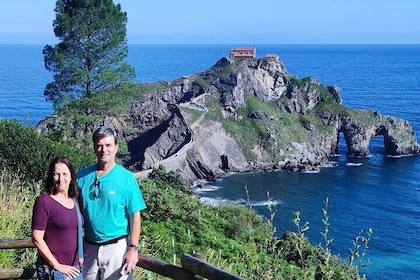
(136, 247)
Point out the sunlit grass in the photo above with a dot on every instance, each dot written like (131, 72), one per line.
(16, 202)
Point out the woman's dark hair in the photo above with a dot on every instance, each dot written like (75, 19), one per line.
(50, 186)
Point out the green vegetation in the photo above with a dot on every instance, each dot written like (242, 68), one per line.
(80, 116)
(194, 114)
(275, 135)
(110, 101)
(27, 153)
(233, 237)
(90, 55)
(279, 130)
(223, 71)
(203, 82)
(362, 116)
(17, 196)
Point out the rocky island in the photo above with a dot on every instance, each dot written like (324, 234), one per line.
(240, 115)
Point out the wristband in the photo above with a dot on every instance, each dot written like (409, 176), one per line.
(136, 247)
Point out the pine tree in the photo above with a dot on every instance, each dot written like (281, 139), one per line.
(91, 50)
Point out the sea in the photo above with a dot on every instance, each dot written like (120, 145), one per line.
(358, 194)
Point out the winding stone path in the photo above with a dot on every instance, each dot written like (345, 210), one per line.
(172, 162)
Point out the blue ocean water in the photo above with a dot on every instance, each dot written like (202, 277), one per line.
(382, 193)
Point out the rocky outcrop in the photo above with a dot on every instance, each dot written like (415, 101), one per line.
(398, 135)
(195, 124)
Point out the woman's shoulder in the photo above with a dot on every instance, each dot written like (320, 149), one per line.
(43, 199)
(44, 196)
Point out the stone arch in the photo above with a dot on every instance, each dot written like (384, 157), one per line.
(378, 142)
(398, 135)
(341, 141)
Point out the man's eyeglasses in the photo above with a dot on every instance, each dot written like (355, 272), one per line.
(96, 188)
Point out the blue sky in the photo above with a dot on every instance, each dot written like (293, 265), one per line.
(234, 21)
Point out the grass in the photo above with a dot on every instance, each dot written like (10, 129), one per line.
(275, 134)
(191, 114)
(16, 203)
(232, 237)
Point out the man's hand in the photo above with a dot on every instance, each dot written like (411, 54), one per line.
(130, 259)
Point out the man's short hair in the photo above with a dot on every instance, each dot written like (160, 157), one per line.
(103, 132)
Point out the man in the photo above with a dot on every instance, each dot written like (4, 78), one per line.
(111, 202)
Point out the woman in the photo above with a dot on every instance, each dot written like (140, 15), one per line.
(55, 222)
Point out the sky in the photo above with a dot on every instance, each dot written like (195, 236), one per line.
(234, 22)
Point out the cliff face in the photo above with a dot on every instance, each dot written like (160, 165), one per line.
(245, 115)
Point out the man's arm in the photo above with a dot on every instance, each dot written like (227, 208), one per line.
(132, 256)
(135, 228)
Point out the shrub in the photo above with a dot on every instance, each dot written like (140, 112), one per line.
(24, 150)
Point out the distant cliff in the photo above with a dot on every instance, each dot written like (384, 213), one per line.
(240, 115)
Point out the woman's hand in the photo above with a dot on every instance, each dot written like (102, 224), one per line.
(68, 270)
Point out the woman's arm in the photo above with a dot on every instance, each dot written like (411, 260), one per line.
(38, 240)
(44, 250)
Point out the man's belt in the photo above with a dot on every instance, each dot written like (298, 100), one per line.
(112, 241)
